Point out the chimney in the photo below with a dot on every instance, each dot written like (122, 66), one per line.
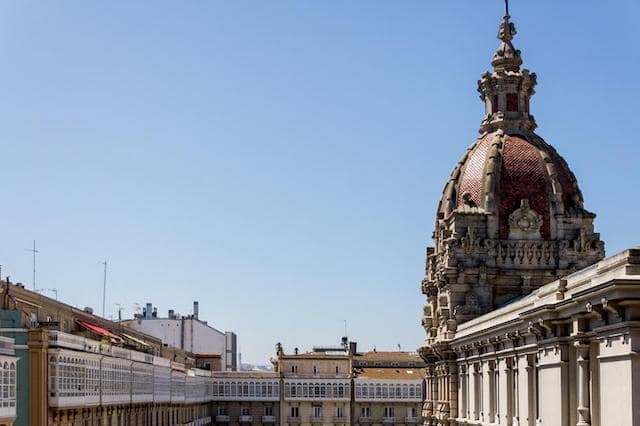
(148, 311)
(195, 309)
(172, 313)
(154, 313)
(295, 350)
(353, 347)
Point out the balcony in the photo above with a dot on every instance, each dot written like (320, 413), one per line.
(318, 419)
(339, 419)
(293, 419)
(245, 419)
(268, 419)
(223, 418)
(388, 420)
(365, 420)
(411, 420)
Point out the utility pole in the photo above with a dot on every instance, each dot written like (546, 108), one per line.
(104, 287)
(34, 251)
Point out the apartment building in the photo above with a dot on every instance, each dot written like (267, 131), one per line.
(388, 388)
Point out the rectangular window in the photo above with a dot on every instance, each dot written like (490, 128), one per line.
(411, 412)
(244, 411)
(317, 411)
(339, 412)
(389, 412)
(365, 412)
(268, 411)
(222, 411)
(294, 369)
(512, 102)
(295, 412)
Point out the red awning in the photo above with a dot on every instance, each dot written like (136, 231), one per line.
(99, 330)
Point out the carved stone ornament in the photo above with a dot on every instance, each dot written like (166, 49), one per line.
(524, 223)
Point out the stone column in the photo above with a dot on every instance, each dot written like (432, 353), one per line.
(463, 392)
(452, 391)
(582, 351)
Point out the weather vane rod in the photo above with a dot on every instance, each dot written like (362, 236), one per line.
(506, 8)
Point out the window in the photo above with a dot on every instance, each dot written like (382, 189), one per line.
(222, 411)
(512, 102)
(395, 364)
(337, 370)
(365, 412)
(295, 412)
(411, 412)
(339, 412)
(412, 364)
(317, 411)
(244, 411)
(389, 412)
(294, 369)
(377, 364)
(315, 369)
(268, 411)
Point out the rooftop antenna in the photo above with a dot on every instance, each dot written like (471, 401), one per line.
(345, 329)
(120, 309)
(34, 251)
(506, 9)
(104, 287)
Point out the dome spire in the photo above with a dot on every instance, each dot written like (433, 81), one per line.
(507, 90)
(507, 57)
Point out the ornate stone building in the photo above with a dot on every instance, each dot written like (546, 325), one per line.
(519, 329)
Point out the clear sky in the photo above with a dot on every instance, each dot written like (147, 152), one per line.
(281, 161)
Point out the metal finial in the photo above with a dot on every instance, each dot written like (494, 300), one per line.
(506, 8)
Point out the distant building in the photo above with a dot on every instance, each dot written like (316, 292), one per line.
(341, 386)
(246, 397)
(62, 366)
(388, 388)
(188, 333)
(316, 386)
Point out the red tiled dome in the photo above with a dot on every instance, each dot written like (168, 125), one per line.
(508, 169)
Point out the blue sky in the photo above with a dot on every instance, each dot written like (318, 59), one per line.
(281, 161)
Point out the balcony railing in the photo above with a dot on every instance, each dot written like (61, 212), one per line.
(339, 419)
(317, 419)
(365, 420)
(245, 419)
(411, 420)
(223, 418)
(388, 420)
(268, 419)
(293, 419)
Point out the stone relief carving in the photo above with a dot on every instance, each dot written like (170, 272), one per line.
(524, 223)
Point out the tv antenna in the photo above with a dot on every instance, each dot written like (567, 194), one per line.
(34, 251)
(120, 309)
(104, 287)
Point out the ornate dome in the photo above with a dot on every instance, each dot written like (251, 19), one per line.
(501, 171)
(511, 217)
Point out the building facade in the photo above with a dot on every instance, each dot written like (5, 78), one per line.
(525, 323)
(317, 387)
(388, 388)
(66, 366)
(188, 333)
